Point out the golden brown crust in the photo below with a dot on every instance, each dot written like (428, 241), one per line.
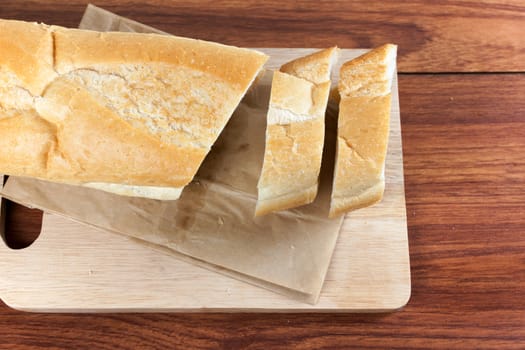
(293, 143)
(124, 108)
(291, 93)
(369, 74)
(361, 152)
(27, 52)
(363, 129)
(88, 131)
(76, 48)
(295, 133)
(315, 68)
(25, 141)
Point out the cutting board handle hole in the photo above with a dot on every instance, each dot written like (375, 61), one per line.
(22, 225)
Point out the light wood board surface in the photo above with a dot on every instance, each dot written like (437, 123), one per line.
(73, 267)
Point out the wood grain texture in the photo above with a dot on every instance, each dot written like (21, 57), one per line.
(463, 138)
(436, 36)
(463, 141)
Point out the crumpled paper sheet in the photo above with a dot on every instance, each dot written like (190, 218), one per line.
(213, 223)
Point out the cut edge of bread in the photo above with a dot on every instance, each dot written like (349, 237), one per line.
(340, 204)
(151, 192)
(287, 201)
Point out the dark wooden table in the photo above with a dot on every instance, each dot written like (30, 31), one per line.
(462, 93)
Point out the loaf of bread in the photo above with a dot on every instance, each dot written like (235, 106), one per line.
(295, 133)
(363, 127)
(129, 113)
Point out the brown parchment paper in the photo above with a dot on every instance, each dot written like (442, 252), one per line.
(213, 223)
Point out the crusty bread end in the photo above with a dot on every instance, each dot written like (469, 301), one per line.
(363, 129)
(295, 133)
(139, 111)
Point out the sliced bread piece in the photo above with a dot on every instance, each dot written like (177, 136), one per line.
(295, 133)
(363, 127)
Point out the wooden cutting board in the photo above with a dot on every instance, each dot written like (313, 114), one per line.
(73, 267)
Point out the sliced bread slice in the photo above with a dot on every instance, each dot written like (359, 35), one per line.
(363, 128)
(295, 132)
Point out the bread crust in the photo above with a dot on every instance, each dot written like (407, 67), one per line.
(316, 68)
(369, 74)
(78, 48)
(363, 129)
(295, 133)
(27, 53)
(114, 108)
(86, 130)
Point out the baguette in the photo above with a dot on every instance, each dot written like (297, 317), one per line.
(295, 133)
(134, 114)
(363, 127)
